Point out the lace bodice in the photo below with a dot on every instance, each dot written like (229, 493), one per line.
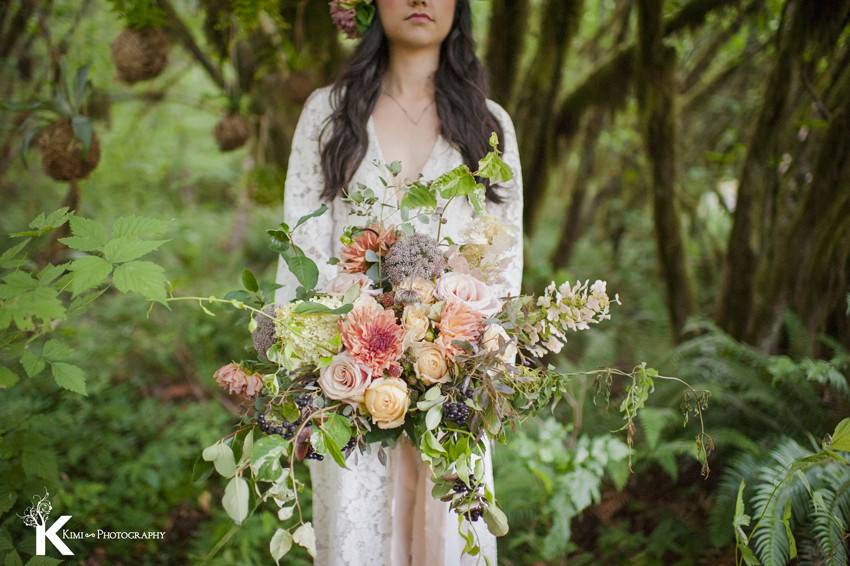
(356, 510)
(319, 237)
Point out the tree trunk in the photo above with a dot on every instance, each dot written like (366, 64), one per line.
(559, 22)
(586, 169)
(508, 22)
(655, 67)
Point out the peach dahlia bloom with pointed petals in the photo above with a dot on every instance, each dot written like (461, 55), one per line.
(375, 238)
(372, 336)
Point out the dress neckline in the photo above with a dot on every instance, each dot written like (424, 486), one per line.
(370, 128)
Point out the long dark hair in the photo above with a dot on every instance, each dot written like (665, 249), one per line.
(461, 92)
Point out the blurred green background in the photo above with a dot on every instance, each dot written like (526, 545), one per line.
(696, 154)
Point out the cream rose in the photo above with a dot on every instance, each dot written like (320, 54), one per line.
(430, 363)
(386, 401)
(490, 342)
(416, 323)
(343, 281)
(465, 288)
(344, 379)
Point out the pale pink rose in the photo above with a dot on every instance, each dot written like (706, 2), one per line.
(344, 379)
(344, 280)
(472, 292)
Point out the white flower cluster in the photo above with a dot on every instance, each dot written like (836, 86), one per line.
(305, 338)
(483, 252)
(568, 307)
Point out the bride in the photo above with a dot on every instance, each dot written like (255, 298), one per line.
(414, 91)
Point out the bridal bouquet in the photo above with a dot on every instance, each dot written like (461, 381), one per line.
(410, 337)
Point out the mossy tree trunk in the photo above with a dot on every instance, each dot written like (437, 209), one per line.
(558, 24)
(764, 236)
(507, 28)
(655, 66)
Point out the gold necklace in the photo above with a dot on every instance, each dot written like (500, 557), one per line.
(415, 122)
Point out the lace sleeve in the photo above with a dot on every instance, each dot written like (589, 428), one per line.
(301, 195)
(510, 211)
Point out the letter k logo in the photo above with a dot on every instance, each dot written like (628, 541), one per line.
(41, 534)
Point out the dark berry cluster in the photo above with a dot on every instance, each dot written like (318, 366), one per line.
(302, 401)
(460, 487)
(285, 429)
(474, 514)
(456, 412)
(350, 444)
(313, 455)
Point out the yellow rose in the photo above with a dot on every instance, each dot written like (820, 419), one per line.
(415, 321)
(386, 401)
(430, 363)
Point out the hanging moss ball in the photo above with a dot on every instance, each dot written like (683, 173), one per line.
(231, 132)
(62, 154)
(140, 54)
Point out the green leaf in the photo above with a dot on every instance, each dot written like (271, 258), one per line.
(303, 268)
(318, 212)
(494, 168)
(841, 436)
(8, 378)
(221, 455)
(57, 351)
(139, 227)
(336, 432)
(88, 235)
(49, 273)
(69, 376)
(88, 272)
(496, 520)
(9, 259)
(265, 457)
(32, 363)
(24, 305)
(51, 221)
(235, 500)
(280, 544)
(457, 182)
(434, 416)
(120, 250)
(419, 195)
(249, 281)
(304, 536)
(310, 307)
(43, 561)
(142, 277)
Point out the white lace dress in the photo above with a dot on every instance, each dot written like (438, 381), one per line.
(372, 514)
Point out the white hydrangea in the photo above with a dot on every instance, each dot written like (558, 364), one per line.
(306, 338)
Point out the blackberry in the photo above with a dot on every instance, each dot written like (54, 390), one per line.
(456, 412)
(459, 486)
(313, 455)
(474, 514)
(350, 444)
(302, 401)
